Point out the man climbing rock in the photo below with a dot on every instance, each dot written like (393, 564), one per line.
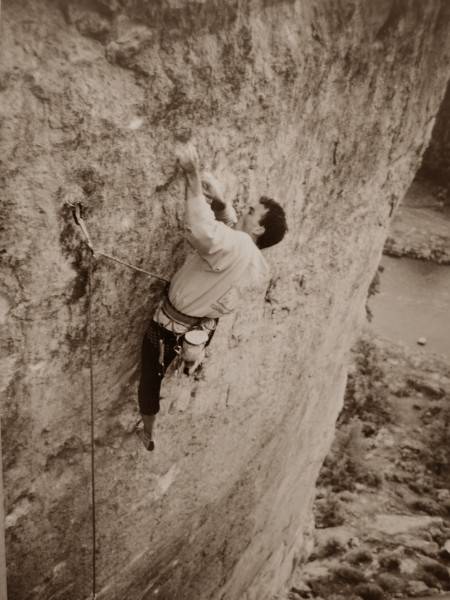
(225, 261)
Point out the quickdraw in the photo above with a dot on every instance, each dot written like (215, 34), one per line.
(77, 215)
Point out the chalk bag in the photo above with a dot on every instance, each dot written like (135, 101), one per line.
(193, 349)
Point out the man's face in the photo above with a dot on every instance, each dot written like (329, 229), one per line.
(249, 221)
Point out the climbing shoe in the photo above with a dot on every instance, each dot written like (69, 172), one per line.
(146, 439)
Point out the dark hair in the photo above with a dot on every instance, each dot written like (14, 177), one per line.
(274, 223)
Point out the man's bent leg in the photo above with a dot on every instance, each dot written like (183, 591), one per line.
(152, 372)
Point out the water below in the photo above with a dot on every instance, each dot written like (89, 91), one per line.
(413, 303)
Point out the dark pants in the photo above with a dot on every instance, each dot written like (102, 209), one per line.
(152, 372)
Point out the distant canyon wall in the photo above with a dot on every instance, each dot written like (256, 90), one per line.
(325, 105)
(436, 160)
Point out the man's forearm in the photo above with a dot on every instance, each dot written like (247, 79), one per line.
(188, 160)
(194, 185)
(196, 195)
(199, 216)
(224, 213)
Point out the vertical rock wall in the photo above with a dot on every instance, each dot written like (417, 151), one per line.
(323, 105)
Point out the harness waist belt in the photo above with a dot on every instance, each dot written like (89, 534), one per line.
(170, 311)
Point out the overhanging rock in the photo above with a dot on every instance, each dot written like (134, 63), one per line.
(326, 106)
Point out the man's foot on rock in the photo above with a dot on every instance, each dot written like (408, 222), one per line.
(146, 439)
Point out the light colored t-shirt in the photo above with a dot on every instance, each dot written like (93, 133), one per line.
(223, 264)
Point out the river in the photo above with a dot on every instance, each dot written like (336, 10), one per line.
(413, 303)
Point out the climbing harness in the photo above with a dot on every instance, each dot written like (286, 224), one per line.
(191, 343)
(76, 210)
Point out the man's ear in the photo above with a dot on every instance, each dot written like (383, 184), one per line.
(258, 230)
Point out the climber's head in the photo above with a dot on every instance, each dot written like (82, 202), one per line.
(265, 222)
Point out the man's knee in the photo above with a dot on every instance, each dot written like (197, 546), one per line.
(148, 400)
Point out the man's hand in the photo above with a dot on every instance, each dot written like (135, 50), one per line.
(187, 158)
(213, 191)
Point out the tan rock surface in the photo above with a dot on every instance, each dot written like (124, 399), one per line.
(326, 106)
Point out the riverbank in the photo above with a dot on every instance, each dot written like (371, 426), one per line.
(383, 500)
(421, 226)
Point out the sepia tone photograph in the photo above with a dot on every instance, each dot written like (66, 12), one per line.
(225, 299)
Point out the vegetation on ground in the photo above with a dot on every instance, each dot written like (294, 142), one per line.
(383, 495)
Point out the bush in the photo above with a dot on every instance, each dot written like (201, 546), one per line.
(367, 390)
(359, 557)
(332, 547)
(430, 580)
(437, 570)
(370, 591)
(390, 562)
(345, 464)
(426, 505)
(390, 583)
(328, 513)
(349, 574)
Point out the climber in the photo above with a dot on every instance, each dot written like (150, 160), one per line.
(224, 262)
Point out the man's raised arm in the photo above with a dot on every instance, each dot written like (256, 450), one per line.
(200, 220)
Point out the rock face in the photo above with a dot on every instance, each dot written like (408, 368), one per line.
(326, 106)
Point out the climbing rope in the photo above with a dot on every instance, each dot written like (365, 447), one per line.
(92, 401)
(94, 253)
(138, 269)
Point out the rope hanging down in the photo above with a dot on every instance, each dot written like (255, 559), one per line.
(92, 399)
(79, 221)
